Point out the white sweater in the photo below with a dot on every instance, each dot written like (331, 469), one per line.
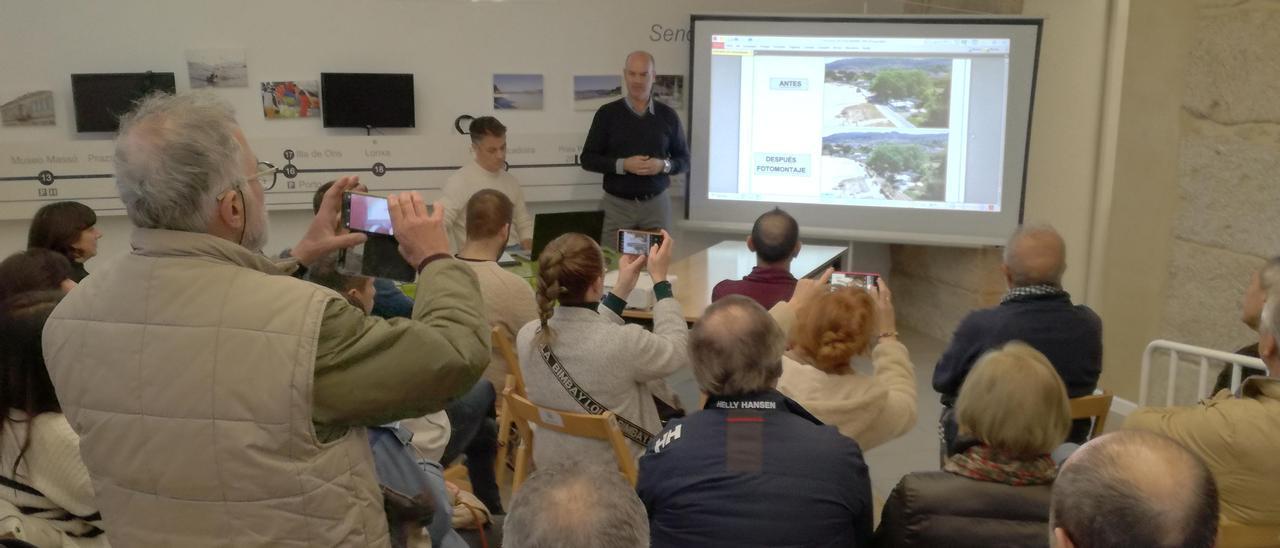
(470, 179)
(50, 478)
(870, 410)
(611, 361)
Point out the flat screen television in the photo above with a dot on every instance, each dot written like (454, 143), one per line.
(367, 100)
(101, 99)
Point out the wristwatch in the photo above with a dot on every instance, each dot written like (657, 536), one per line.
(666, 166)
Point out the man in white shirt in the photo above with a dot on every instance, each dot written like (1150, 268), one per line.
(489, 144)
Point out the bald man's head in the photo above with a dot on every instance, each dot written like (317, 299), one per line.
(576, 504)
(775, 236)
(1134, 488)
(736, 348)
(1035, 255)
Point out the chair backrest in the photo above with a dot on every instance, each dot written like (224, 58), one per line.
(502, 342)
(1234, 535)
(1095, 407)
(600, 427)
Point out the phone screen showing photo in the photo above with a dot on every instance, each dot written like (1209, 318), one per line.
(631, 242)
(865, 280)
(367, 213)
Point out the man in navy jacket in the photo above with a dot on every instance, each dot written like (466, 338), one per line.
(753, 468)
(1036, 311)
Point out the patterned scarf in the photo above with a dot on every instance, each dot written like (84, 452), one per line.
(1033, 291)
(983, 463)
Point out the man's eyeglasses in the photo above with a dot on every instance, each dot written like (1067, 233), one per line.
(267, 175)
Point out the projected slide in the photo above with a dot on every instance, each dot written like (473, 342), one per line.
(882, 122)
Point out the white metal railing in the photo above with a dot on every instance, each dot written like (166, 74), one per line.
(1176, 351)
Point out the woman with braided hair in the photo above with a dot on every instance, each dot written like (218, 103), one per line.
(580, 345)
(816, 372)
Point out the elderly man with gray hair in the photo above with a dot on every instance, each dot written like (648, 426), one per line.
(1237, 436)
(220, 401)
(1037, 311)
(576, 505)
(753, 468)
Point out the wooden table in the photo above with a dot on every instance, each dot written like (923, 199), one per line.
(697, 274)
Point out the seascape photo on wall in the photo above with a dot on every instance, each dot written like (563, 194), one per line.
(27, 108)
(217, 68)
(668, 89)
(517, 92)
(300, 99)
(592, 92)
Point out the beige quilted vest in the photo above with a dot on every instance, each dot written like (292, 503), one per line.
(186, 368)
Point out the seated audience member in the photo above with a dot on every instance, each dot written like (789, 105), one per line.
(582, 345)
(576, 505)
(257, 386)
(35, 269)
(1036, 311)
(488, 171)
(816, 372)
(775, 239)
(1250, 313)
(388, 301)
(995, 491)
(508, 299)
(466, 424)
(1134, 489)
(753, 468)
(41, 473)
(67, 228)
(1238, 437)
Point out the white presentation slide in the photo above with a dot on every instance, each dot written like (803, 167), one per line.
(912, 123)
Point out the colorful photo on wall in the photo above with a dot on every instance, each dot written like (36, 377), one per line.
(300, 99)
(32, 108)
(517, 92)
(217, 68)
(668, 89)
(592, 92)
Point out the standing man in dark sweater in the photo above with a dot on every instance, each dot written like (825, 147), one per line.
(637, 143)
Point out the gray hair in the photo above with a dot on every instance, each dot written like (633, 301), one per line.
(1036, 254)
(576, 505)
(174, 155)
(652, 62)
(736, 348)
(1269, 275)
(1270, 310)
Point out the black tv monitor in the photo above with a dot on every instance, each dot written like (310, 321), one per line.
(366, 100)
(101, 99)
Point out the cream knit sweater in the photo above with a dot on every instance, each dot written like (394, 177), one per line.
(50, 478)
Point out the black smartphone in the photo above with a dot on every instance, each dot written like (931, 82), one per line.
(865, 280)
(637, 242)
(378, 257)
(366, 213)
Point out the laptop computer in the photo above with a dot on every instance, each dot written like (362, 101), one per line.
(549, 226)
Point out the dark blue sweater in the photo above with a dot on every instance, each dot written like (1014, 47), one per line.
(616, 132)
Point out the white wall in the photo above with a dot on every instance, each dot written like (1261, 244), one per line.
(453, 47)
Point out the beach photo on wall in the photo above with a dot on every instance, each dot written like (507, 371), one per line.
(592, 91)
(27, 108)
(517, 91)
(668, 89)
(217, 68)
(300, 99)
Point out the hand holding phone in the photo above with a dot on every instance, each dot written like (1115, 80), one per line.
(421, 234)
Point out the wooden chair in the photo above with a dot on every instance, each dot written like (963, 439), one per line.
(515, 381)
(1095, 407)
(1233, 535)
(600, 427)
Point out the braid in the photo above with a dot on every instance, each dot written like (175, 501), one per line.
(549, 292)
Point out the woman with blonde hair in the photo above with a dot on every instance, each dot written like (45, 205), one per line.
(816, 371)
(579, 356)
(995, 491)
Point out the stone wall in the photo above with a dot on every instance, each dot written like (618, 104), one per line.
(1228, 171)
(935, 287)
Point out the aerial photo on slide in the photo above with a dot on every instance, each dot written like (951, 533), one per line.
(886, 92)
(885, 165)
